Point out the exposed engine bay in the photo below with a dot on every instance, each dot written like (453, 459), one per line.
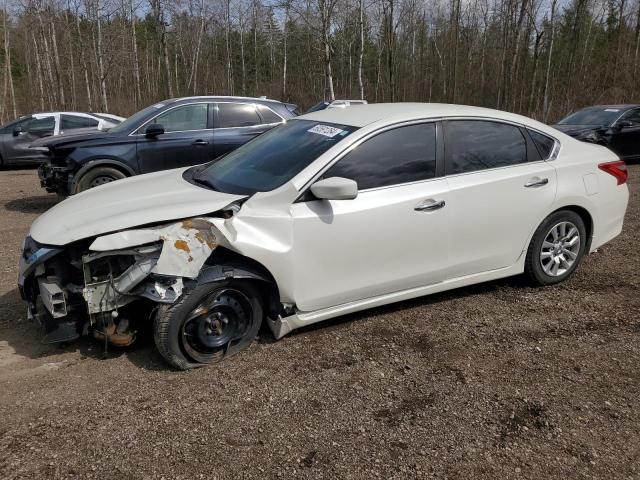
(105, 286)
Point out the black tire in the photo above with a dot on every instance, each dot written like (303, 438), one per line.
(183, 331)
(98, 176)
(539, 265)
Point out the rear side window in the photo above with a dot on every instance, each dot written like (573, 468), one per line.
(473, 145)
(543, 143)
(268, 115)
(69, 122)
(402, 155)
(236, 115)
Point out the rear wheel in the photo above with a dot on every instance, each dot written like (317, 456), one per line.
(208, 323)
(98, 176)
(556, 249)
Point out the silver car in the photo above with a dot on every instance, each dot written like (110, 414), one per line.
(16, 137)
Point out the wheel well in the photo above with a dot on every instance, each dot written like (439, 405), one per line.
(269, 287)
(115, 166)
(586, 218)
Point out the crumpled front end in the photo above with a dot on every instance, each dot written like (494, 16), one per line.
(107, 285)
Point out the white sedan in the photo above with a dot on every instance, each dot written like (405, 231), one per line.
(333, 212)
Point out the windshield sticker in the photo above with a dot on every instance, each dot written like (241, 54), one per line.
(158, 105)
(326, 130)
(611, 110)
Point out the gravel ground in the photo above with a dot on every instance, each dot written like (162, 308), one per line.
(499, 380)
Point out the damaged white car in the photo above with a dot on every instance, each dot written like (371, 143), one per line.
(333, 212)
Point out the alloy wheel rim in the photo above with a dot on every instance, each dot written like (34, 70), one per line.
(560, 249)
(222, 317)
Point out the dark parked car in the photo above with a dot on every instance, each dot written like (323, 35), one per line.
(614, 126)
(171, 134)
(17, 136)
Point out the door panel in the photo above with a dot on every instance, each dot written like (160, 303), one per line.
(625, 141)
(174, 150)
(228, 139)
(493, 214)
(17, 148)
(346, 250)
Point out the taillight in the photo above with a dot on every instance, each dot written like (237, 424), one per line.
(618, 169)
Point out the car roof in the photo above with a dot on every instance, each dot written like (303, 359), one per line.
(222, 97)
(363, 115)
(624, 106)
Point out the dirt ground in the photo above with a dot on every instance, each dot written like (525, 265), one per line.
(499, 380)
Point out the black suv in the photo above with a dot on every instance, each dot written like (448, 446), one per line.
(614, 126)
(171, 134)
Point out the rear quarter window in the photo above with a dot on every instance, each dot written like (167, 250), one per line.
(543, 143)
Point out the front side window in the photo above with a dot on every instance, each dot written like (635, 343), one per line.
(39, 126)
(633, 116)
(271, 159)
(184, 118)
(231, 115)
(473, 145)
(69, 122)
(401, 155)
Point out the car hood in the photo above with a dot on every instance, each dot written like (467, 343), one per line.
(124, 204)
(76, 139)
(574, 130)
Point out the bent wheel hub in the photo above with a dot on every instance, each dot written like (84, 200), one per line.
(221, 318)
(560, 249)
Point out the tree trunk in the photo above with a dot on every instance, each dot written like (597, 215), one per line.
(361, 52)
(101, 71)
(7, 60)
(137, 97)
(545, 95)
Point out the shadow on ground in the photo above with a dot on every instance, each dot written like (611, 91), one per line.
(24, 336)
(35, 204)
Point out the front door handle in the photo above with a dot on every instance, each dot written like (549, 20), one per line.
(430, 205)
(200, 142)
(536, 182)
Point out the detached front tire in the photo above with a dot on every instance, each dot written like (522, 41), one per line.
(556, 249)
(208, 323)
(98, 176)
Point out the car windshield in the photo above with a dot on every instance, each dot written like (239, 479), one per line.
(592, 116)
(132, 122)
(273, 158)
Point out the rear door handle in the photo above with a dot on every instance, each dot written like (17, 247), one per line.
(536, 182)
(200, 142)
(429, 205)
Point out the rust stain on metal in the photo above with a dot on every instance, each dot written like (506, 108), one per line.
(208, 238)
(182, 245)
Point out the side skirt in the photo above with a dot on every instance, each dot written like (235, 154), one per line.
(282, 326)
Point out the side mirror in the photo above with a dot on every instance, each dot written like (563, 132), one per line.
(335, 188)
(153, 130)
(17, 131)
